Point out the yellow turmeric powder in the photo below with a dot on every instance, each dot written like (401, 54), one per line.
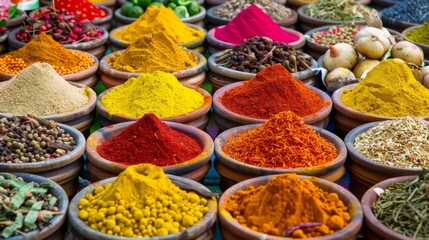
(159, 19)
(389, 90)
(286, 202)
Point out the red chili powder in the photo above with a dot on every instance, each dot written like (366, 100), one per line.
(150, 140)
(273, 90)
(252, 22)
(85, 9)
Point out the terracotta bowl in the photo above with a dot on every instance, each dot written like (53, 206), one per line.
(231, 229)
(374, 229)
(216, 45)
(112, 77)
(3, 43)
(53, 229)
(117, 44)
(319, 119)
(424, 47)
(198, 231)
(395, 24)
(15, 23)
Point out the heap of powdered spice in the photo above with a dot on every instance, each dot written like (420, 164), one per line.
(284, 141)
(150, 140)
(273, 90)
(159, 19)
(45, 49)
(38, 90)
(81, 10)
(252, 22)
(152, 52)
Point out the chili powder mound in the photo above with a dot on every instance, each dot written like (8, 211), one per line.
(273, 90)
(150, 140)
(284, 141)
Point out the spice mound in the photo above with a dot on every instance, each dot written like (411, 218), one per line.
(335, 34)
(45, 49)
(80, 10)
(159, 19)
(251, 22)
(159, 93)
(284, 141)
(420, 34)
(289, 207)
(402, 207)
(336, 10)
(233, 7)
(40, 91)
(150, 140)
(389, 90)
(26, 206)
(273, 90)
(402, 142)
(141, 202)
(153, 52)
(257, 53)
(410, 11)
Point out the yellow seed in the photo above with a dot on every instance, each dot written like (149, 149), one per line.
(138, 214)
(83, 214)
(110, 223)
(162, 232)
(98, 190)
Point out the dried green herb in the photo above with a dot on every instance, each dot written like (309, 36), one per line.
(337, 10)
(8, 231)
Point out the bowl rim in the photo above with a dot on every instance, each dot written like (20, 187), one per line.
(194, 231)
(52, 163)
(424, 47)
(97, 138)
(355, 208)
(218, 107)
(370, 197)
(305, 18)
(392, 21)
(18, 20)
(232, 163)
(63, 202)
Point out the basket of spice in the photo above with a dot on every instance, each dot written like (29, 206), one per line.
(389, 90)
(249, 23)
(330, 12)
(419, 35)
(34, 207)
(405, 14)
(48, 149)
(149, 53)
(187, 35)
(273, 90)
(223, 14)
(180, 149)
(3, 40)
(14, 17)
(160, 93)
(395, 208)
(40, 91)
(138, 194)
(283, 144)
(288, 206)
(382, 150)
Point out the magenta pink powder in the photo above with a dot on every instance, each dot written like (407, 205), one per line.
(252, 22)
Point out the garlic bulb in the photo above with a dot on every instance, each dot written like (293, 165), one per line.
(339, 77)
(340, 55)
(425, 71)
(409, 52)
(426, 81)
(372, 43)
(364, 65)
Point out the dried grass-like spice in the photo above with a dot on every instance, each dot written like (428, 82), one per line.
(284, 141)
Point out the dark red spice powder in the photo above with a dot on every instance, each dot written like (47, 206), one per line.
(252, 22)
(85, 9)
(150, 140)
(273, 90)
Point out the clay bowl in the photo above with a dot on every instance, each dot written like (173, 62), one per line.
(15, 23)
(232, 119)
(117, 44)
(231, 229)
(53, 229)
(307, 23)
(3, 43)
(104, 134)
(198, 231)
(216, 45)
(424, 47)
(393, 23)
(112, 77)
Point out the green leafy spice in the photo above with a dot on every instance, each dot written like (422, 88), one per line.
(337, 10)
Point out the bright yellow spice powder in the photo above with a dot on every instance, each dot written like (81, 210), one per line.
(389, 90)
(159, 93)
(159, 19)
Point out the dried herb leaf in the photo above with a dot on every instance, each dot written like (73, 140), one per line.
(31, 217)
(7, 232)
(19, 198)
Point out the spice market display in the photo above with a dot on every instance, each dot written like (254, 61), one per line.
(365, 59)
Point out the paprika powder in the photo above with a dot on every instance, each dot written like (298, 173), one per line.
(273, 90)
(150, 140)
(83, 9)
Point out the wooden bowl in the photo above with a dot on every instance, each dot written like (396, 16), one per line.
(374, 228)
(232, 230)
(194, 232)
(3, 43)
(424, 47)
(393, 23)
(15, 23)
(52, 230)
(117, 44)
